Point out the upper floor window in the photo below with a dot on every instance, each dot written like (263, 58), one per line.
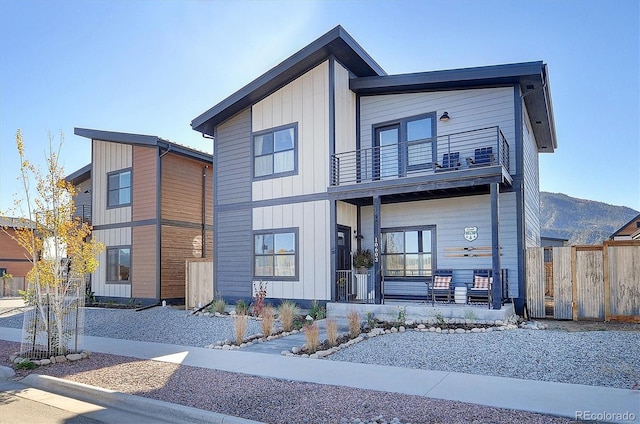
(119, 188)
(118, 264)
(276, 254)
(404, 146)
(275, 152)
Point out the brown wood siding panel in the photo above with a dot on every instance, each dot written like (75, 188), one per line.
(182, 189)
(178, 245)
(12, 255)
(144, 183)
(143, 262)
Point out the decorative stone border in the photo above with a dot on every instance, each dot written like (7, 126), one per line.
(58, 359)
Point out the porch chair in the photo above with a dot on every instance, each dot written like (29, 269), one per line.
(450, 161)
(480, 288)
(442, 286)
(481, 157)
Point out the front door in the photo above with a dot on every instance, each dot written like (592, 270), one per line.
(343, 262)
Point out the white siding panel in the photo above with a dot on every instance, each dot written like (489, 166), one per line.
(451, 216)
(108, 157)
(345, 112)
(305, 101)
(311, 220)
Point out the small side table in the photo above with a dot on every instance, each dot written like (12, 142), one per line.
(460, 294)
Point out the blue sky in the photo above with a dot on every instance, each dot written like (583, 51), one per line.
(150, 67)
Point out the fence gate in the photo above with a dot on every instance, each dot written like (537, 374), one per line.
(588, 282)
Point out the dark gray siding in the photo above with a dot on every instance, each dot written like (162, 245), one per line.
(233, 151)
(232, 209)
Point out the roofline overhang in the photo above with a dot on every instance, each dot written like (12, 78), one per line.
(80, 175)
(143, 140)
(624, 226)
(531, 77)
(337, 43)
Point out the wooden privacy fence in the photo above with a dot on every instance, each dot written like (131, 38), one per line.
(199, 282)
(589, 282)
(10, 287)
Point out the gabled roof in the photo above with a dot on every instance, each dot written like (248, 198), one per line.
(143, 140)
(80, 175)
(12, 222)
(337, 43)
(531, 76)
(625, 227)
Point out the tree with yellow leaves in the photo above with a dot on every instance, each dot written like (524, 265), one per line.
(61, 251)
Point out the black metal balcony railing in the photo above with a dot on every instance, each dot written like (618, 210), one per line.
(84, 213)
(463, 150)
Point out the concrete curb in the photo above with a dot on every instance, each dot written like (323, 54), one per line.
(136, 404)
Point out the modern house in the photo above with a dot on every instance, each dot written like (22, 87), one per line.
(150, 203)
(629, 231)
(14, 259)
(325, 154)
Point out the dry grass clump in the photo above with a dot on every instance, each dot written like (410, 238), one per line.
(312, 336)
(332, 331)
(288, 310)
(240, 327)
(268, 317)
(354, 323)
(219, 306)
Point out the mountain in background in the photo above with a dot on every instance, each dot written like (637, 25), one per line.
(580, 221)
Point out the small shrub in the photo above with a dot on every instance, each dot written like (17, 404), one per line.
(288, 310)
(371, 321)
(240, 327)
(218, 305)
(402, 317)
(268, 316)
(470, 315)
(258, 299)
(312, 336)
(317, 311)
(354, 323)
(241, 307)
(332, 331)
(440, 319)
(26, 365)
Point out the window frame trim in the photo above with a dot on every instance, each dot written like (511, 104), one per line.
(293, 125)
(120, 171)
(106, 277)
(403, 149)
(434, 255)
(296, 232)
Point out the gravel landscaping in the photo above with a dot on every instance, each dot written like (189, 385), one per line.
(603, 358)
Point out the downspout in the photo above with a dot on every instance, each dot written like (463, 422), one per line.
(204, 212)
(159, 224)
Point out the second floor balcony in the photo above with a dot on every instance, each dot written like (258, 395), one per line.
(460, 155)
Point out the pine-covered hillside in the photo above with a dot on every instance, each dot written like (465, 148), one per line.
(579, 220)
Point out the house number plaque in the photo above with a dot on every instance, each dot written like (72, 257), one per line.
(375, 249)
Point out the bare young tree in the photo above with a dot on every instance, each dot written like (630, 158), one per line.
(59, 248)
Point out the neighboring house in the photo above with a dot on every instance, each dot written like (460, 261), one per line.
(549, 243)
(326, 153)
(14, 259)
(629, 231)
(149, 202)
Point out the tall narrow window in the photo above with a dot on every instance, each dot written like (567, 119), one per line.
(119, 188)
(118, 264)
(407, 252)
(275, 255)
(275, 152)
(419, 142)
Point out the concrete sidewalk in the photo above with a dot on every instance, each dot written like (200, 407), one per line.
(561, 399)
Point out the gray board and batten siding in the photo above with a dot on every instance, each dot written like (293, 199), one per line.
(232, 207)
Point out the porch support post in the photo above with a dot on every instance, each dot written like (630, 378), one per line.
(333, 225)
(376, 249)
(496, 287)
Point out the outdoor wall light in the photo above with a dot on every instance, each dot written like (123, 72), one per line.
(445, 117)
